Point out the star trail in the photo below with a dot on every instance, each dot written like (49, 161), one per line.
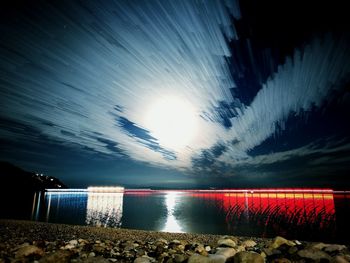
(192, 91)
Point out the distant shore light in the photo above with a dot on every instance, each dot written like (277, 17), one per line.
(105, 189)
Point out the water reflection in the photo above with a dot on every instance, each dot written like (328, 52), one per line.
(268, 214)
(36, 206)
(295, 215)
(171, 223)
(104, 209)
(85, 208)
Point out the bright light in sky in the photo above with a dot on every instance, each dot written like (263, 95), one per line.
(172, 122)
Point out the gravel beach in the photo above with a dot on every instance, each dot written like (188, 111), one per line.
(27, 241)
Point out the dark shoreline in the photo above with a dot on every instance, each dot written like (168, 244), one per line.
(51, 231)
(29, 241)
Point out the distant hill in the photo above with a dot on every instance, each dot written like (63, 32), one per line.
(13, 178)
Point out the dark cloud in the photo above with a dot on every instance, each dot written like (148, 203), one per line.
(144, 137)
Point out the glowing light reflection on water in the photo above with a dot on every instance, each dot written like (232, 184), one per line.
(104, 209)
(301, 215)
(171, 223)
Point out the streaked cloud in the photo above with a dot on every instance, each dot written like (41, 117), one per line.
(85, 75)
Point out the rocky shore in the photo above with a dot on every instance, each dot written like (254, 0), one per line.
(26, 241)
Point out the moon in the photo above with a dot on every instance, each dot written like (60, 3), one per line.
(172, 121)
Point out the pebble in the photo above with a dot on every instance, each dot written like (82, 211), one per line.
(97, 260)
(142, 260)
(292, 250)
(281, 260)
(226, 252)
(313, 254)
(339, 259)
(217, 258)
(334, 247)
(61, 256)
(278, 241)
(224, 249)
(249, 243)
(207, 248)
(29, 250)
(68, 246)
(73, 242)
(226, 242)
(178, 258)
(319, 246)
(248, 257)
(196, 258)
(162, 240)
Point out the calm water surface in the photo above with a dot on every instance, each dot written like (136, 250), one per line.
(304, 216)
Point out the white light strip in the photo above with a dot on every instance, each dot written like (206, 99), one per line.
(66, 190)
(105, 189)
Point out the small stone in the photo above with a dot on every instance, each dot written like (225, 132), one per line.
(73, 242)
(201, 250)
(278, 241)
(281, 260)
(22, 245)
(339, 259)
(29, 250)
(240, 248)
(248, 257)
(226, 252)
(178, 258)
(172, 251)
(313, 254)
(91, 254)
(161, 240)
(139, 252)
(97, 248)
(347, 257)
(207, 248)
(112, 259)
(292, 250)
(217, 258)
(39, 243)
(231, 237)
(142, 260)
(69, 246)
(96, 260)
(270, 251)
(249, 243)
(319, 246)
(175, 241)
(61, 256)
(180, 247)
(195, 258)
(227, 242)
(334, 247)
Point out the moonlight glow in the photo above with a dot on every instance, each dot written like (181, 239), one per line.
(172, 121)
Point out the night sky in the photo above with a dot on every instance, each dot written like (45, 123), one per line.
(177, 94)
